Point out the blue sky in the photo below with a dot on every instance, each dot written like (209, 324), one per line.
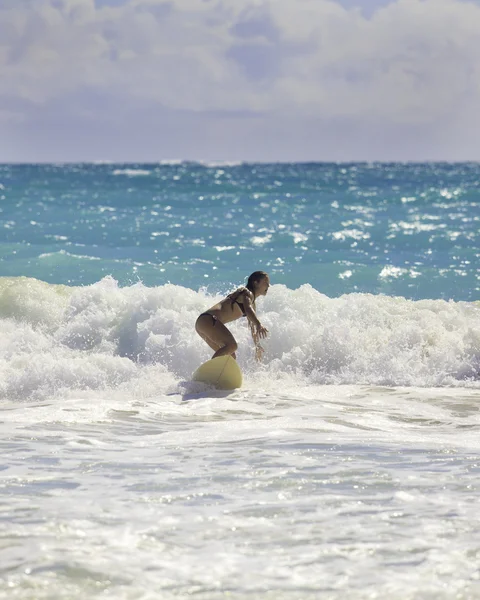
(267, 80)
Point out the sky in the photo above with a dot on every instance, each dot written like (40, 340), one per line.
(239, 80)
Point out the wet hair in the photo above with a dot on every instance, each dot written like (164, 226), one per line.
(254, 277)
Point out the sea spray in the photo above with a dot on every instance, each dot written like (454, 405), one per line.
(60, 339)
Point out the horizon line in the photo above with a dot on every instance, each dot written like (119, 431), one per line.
(227, 163)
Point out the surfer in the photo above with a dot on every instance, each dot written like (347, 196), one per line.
(210, 325)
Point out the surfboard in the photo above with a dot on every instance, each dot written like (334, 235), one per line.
(223, 372)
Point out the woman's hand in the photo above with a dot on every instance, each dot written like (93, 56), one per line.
(259, 352)
(261, 332)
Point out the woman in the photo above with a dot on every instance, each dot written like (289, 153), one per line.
(210, 325)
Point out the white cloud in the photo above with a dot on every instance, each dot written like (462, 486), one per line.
(411, 63)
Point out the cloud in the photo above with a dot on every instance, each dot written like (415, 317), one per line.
(409, 64)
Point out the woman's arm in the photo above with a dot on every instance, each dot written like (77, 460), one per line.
(257, 329)
(260, 330)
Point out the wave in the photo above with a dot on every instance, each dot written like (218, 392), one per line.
(58, 339)
(132, 172)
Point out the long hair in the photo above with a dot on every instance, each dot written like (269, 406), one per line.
(254, 277)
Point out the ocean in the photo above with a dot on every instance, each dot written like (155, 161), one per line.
(348, 464)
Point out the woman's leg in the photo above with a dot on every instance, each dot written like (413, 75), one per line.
(217, 336)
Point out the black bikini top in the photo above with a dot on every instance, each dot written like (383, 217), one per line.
(234, 297)
(240, 304)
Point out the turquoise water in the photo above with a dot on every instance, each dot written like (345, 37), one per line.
(398, 229)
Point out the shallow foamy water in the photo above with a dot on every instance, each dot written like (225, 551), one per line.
(339, 491)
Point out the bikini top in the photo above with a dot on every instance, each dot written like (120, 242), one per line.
(240, 304)
(234, 297)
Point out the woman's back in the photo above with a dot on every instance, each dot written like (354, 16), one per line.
(232, 307)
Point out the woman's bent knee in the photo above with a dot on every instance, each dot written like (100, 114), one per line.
(228, 349)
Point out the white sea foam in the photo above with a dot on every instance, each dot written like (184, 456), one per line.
(171, 162)
(260, 493)
(120, 476)
(132, 172)
(67, 254)
(64, 339)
